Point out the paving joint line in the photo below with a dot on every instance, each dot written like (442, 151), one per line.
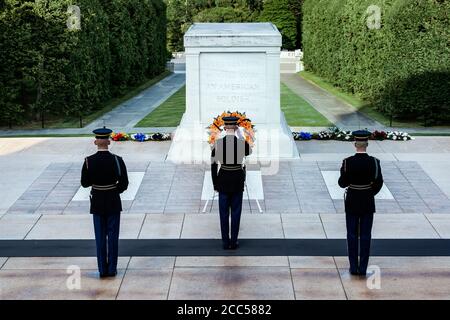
(142, 226)
(340, 278)
(295, 188)
(170, 188)
(123, 278)
(182, 227)
(4, 263)
(432, 225)
(292, 278)
(34, 225)
(171, 279)
(323, 227)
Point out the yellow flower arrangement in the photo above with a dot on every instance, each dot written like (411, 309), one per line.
(119, 136)
(217, 126)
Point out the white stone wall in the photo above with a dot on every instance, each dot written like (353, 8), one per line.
(232, 66)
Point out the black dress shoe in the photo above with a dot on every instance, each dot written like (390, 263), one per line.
(103, 275)
(112, 274)
(226, 247)
(234, 246)
(353, 273)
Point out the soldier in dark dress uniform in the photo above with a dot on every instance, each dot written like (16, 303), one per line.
(361, 175)
(229, 181)
(107, 174)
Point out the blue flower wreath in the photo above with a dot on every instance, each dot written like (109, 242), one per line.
(305, 135)
(140, 137)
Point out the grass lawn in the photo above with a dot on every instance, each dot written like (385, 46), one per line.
(73, 122)
(357, 102)
(297, 111)
(169, 113)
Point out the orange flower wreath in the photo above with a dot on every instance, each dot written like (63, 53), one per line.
(217, 127)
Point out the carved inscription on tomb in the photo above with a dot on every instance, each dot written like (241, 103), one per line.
(232, 81)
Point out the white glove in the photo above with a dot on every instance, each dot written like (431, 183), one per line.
(239, 133)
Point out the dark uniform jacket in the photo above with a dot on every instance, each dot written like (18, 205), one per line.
(229, 151)
(361, 175)
(107, 174)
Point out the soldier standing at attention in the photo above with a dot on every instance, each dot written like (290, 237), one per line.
(107, 174)
(361, 175)
(229, 151)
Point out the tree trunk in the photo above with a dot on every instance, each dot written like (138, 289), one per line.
(38, 102)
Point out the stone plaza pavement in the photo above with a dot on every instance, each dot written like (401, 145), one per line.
(268, 277)
(38, 202)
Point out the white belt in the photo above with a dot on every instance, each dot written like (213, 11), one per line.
(104, 188)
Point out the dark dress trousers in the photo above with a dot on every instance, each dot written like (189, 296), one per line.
(107, 174)
(229, 181)
(361, 175)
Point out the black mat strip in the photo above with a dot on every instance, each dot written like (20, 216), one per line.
(212, 247)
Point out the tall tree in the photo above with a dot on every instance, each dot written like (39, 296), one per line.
(222, 14)
(296, 7)
(279, 13)
(177, 16)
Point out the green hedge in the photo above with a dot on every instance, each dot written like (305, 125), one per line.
(403, 68)
(47, 69)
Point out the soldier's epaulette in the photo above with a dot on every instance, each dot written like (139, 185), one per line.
(344, 163)
(115, 155)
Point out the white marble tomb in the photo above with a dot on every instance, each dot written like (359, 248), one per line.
(232, 66)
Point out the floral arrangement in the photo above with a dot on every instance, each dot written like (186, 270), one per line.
(378, 135)
(323, 135)
(120, 136)
(341, 135)
(245, 123)
(398, 135)
(159, 137)
(142, 137)
(302, 135)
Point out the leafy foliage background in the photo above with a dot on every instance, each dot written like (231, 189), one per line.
(285, 14)
(45, 68)
(403, 68)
